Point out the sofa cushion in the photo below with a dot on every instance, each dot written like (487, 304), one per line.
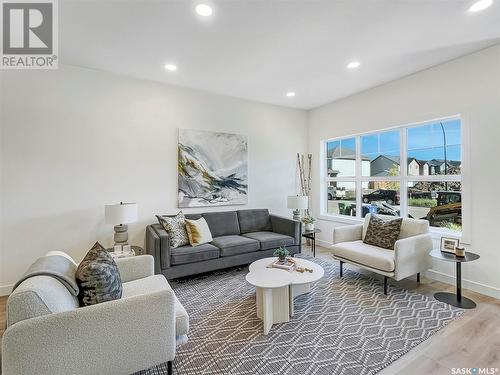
(254, 220)
(368, 255)
(234, 245)
(190, 254)
(198, 232)
(98, 277)
(270, 240)
(153, 284)
(222, 223)
(176, 229)
(382, 233)
(409, 227)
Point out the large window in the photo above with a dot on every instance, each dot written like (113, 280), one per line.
(412, 171)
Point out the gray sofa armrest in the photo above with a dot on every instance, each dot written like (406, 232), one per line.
(288, 227)
(135, 268)
(157, 243)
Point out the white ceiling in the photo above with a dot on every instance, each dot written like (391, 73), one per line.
(260, 49)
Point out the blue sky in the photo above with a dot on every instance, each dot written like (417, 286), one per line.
(424, 142)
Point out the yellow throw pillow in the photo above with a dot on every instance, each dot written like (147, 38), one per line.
(198, 232)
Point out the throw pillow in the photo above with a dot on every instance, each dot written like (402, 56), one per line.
(198, 232)
(383, 233)
(176, 229)
(98, 277)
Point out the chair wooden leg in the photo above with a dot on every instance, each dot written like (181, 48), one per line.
(385, 285)
(418, 277)
(341, 270)
(169, 367)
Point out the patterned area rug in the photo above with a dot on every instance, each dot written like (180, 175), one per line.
(343, 326)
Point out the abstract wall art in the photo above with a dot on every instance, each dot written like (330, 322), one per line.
(212, 168)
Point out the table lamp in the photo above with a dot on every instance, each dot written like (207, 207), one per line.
(119, 215)
(297, 203)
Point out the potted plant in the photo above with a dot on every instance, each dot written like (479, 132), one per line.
(282, 253)
(309, 222)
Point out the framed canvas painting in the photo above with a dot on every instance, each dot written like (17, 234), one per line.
(212, 168)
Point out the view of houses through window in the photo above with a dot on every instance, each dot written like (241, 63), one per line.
(373, 172)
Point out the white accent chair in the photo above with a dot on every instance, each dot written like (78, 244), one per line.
(49, 334)
(409, 257)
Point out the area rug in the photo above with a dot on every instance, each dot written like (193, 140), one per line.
(343, 326)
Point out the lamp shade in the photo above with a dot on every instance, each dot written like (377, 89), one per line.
(297, 202)
(122, 213)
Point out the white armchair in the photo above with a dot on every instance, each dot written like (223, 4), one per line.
(48, 333)
(409, 257)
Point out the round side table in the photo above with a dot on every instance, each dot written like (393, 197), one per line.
(311, 234)
(457, 299)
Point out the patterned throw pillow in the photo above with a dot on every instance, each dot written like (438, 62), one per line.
(198, 232)
(383, 233)
(98, 277)
(176, 229)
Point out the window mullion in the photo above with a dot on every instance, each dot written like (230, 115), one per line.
(403, 185)
(359, 188)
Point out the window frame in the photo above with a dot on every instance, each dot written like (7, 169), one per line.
(403, 178)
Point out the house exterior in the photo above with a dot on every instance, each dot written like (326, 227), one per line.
(342, 163)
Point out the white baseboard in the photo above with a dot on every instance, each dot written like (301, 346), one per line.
(6, 289)
(448, 279)
(467, 284)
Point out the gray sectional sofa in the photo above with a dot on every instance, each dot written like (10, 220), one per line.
(239, 238)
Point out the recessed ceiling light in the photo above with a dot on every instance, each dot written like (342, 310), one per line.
(204, 10)
(353, 65)
(171, 67)
(290, 94)
(480, 5)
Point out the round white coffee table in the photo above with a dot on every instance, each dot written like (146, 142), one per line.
(277, 288)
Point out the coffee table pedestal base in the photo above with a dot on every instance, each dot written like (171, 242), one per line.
(452, 299)
(273, 306)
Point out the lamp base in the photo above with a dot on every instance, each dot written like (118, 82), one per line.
(121, 235)
(296, 215)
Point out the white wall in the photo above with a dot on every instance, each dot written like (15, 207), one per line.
(74, 139)
(469, 86)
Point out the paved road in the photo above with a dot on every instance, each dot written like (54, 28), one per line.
(415, 212)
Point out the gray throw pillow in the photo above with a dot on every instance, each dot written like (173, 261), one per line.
(383, 233)
(176, 229)
(98, 277)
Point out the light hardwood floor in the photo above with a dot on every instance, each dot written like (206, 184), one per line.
(473, 340)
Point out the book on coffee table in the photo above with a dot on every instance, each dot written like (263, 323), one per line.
(287, 264)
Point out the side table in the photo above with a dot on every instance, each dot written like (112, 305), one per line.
(311, 234)
(457, 299)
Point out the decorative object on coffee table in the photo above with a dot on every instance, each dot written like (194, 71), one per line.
(457, 299)
(449, 244)
(297, 203)
(282, 253)
(119, 215)
(311, 235)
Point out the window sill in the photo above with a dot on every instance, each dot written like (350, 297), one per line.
(435, 232)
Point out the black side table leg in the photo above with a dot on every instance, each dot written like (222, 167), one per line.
(314, 245)
(457, 299)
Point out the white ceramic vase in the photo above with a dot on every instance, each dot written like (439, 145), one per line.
(310, 226)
